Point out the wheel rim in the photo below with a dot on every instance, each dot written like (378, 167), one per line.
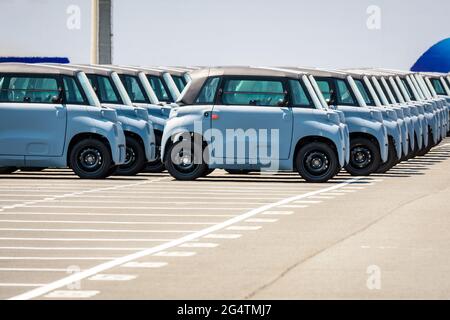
(361, 157)
(130, 157)
(317, 163)
(184, 161)
(90, 159)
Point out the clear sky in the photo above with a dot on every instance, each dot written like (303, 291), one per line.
(325, 33)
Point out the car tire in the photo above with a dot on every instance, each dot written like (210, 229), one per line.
(317, 162)
(186, 167)
(135, 160)
(365, 157)
(238, 171)
(391, 161)
(90, 159)
(427, 149)
(7, 170)
(156, 166)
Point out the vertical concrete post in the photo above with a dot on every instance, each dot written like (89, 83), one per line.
(94, 31)
(105, 31)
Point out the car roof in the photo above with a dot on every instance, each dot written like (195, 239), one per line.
(121, 69)
(93, 69)
(319, 72)
(37, 68)
(198, 77)
(148, 70)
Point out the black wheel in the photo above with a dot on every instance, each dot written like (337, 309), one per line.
(135, 160)
(426, 149)
(391, 161)
(183, 163)
(317, 162)
(156, 166)
(364, 157)
(237, 171)
(7, 170)
(32, 169)
(90, 159)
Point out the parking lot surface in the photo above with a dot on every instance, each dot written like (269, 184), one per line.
(226, 236)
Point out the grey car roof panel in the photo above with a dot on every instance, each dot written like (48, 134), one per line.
(37, 68)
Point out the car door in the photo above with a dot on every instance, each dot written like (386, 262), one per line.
(254, 119)
(33, 118)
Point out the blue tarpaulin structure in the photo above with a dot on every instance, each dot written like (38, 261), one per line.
(435, 59)
(35, 59)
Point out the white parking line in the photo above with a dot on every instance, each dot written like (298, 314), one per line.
(277, 212)
(135, 264)
(199, 245)
(243, 228)
(135, 208)
(116, 214)
(294, 206)
(222, 236)
(97, 230)
(109, 222)
(174, 254)
(262, 220)
(72, 294)
(85, 239)
(112, 277)
(161, 248)
(35, 269)
(21, 284)
(72, 248)
(57, 258)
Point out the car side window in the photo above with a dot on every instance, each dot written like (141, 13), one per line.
(106, 91)
(253, 92)
(326, 86)
(72, 91)
(299, 96)
(438, 87)
(344, 93)
(134, 89)
(29, 89)
(158, 87)
(208, 92)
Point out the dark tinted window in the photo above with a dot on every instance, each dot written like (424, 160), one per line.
(365, 92)
(208, 92)
(438, 87)
(32, 89)
(179, 82)
(299, 95)
(72, 91)
(134, 88)
(344, 95)
(252, 92)
(408, 89)
(105, 89)
(159, 88)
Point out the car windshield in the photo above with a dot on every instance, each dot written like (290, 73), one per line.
(180, 82)
(364, 92)
(134, 88)
(438, 87)
(88, 90)
(121, 89)
(159, 88)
